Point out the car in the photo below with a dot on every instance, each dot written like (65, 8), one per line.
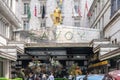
(113, 75)
(94, 77)
(79, 77)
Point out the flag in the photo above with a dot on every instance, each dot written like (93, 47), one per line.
(28, 13)
(79, 12)
(43, 12)
(35, 11)
(86, 6)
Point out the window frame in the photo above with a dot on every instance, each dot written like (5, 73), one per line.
(26, 25)
(43, 22)
(26, 5)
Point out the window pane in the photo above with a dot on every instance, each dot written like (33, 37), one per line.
(118, 4)
(26, 7)
(77, 23)
(114, 6)
(26, 25)
(43, 23)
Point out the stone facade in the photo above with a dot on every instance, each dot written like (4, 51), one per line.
(68, 12)
(105, 16)
(8, 23)
(74, 13)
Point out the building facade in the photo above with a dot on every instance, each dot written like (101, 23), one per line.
(29, 21)
(8, 49)
(105, 16)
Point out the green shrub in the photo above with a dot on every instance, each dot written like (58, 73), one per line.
(17, 79)
(61, 79)
(3, 78)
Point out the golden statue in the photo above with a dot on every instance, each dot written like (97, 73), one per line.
(56, 17)
(75, 70)
(78, 71)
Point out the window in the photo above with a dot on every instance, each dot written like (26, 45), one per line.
(115, 41)
(41, 8)
(103, 21)
(43, 23)
(3, 27)
(77, 23)
(26, 25)
(112, 42)
(115, 5)
(26, 5)
(118, 4)
(11, 3)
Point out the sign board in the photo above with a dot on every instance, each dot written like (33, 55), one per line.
(69, 34)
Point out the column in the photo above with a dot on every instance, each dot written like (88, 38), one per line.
(6, 68)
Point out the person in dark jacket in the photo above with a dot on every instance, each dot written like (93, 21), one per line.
(31, 76)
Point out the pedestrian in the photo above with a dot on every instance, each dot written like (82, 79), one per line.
(20, 73)
(51, 77)
(31, 76)
(44, 77)
(70, 77)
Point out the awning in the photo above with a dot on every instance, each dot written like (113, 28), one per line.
(98, 64)
(7, 56)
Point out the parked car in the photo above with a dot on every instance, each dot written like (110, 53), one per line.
(94, 77)
(113, 75)
(80, 77)
(90, 77)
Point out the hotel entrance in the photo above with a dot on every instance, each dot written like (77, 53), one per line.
(55, 58)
